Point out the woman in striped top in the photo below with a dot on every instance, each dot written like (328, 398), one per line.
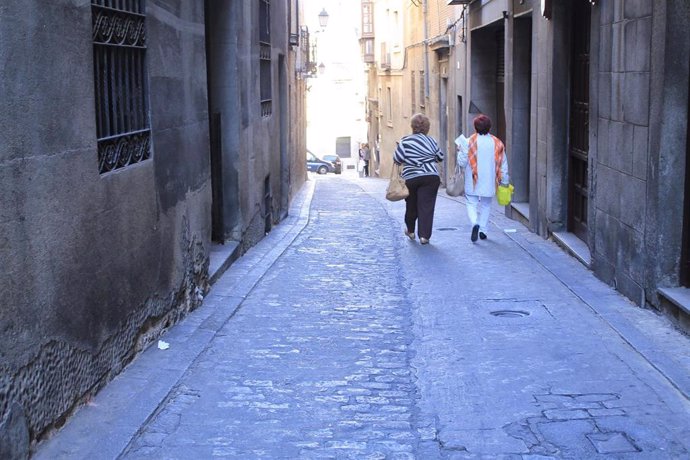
(419, 153)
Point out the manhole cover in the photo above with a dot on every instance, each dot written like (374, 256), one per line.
(510, 313)
(446, 229)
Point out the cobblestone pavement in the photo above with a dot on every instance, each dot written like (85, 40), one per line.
(315, 363)
(343, 339)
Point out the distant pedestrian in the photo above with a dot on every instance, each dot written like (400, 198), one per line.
(365, 156)
(486, 166)
(419, 153)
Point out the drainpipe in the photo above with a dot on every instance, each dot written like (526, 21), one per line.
(508, 85)
(426, 52)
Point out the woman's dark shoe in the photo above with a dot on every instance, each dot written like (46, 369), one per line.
(475, 231)
(410, 235)
(482, 235)
(424, 240)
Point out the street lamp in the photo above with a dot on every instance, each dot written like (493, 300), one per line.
(323, 18)
(311, 69)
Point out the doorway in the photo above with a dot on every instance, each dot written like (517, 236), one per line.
(216, 178)
(443, 123)
(459, 126)
(521, 127)
(500, 121)
(685, 247)
(578, 146)
(488, 76)
(285, 175)
(224, 117)
(216, 145)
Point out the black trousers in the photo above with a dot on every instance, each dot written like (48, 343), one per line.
(420, 204)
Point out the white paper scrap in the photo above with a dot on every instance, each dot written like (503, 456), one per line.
(510, 230)
(163, 345)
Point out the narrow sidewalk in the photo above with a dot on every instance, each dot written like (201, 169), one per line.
(104, 426)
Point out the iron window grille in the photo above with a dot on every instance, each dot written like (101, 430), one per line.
(265, 57)
(309, 65)
(293, 20)
(120, 80)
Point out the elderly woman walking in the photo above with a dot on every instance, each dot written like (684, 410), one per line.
(486, 166)
(419, 153)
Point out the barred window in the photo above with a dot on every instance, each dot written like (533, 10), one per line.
(120, 79)
(265, 57)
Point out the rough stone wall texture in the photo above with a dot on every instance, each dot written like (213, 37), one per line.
(260, 136)
(297, 112)
(622, 155)
(251, 141)
(439, 15)
(94, 266)
(668, 144)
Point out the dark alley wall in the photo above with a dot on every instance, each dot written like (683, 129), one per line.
(255, 181)
(93, 265)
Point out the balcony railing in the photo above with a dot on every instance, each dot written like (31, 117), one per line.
(367, 48)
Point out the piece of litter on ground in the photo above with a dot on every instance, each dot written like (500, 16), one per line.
(163, 345)
(510, 230)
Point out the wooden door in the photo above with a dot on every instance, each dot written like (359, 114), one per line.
(578, 148)
(685, 248)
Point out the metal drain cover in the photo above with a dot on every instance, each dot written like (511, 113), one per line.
(510, 313)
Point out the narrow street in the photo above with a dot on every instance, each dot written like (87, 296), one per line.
(337, 337)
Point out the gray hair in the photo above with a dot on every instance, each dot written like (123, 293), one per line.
(420, 123)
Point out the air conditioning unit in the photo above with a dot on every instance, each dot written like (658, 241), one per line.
(459, 2)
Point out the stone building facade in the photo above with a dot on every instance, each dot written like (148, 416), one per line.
(406, 46)
(591, 99)
(257, 114)
(135, 134)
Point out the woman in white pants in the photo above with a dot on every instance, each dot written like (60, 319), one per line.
(485, 162)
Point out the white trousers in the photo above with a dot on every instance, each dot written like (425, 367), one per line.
(483, 205)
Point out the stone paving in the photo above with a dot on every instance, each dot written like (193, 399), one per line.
(339, 338)
(315, 363)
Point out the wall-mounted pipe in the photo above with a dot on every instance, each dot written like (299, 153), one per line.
(426, 51)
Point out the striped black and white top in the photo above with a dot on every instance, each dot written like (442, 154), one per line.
(418, 153)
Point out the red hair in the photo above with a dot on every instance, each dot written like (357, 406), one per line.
(482, 124)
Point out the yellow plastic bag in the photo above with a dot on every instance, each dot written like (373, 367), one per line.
(504, 193)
